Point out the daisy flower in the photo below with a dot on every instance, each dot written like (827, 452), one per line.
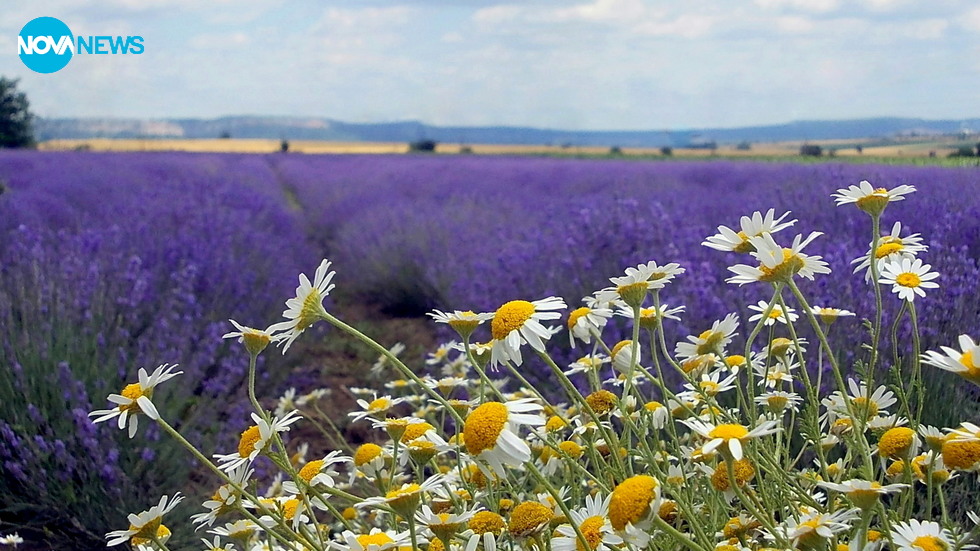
(916, 535)
(622, 355)
(657, 412)
(729, 437)
(870, 199)
(382, 361)
(964, 362)
(728, 239)
(529, 519)
(863, 493)
(376, 407)
(519, 322)
(490, 432)
(463, 322)
(11, 539)
(709, 341)
(632, 504)
(146, 526)
(632, 288)
(306, 308)
(592, 520)
(813, 527)
(215, 545)
(776, 314)
(225, 498)
(135, 399)
(444, 525)
(376, 540)
(908, 278)
(582, 322)
(255, 439)
(829, 315)
(778, 401)
(485, 527)
(650, 316)
(255, 340)
(892, 247)
(777, 263)
(712, 384)
(406, 498)
(238, 530)
(588, 364)
(319, 472)
(878, 403)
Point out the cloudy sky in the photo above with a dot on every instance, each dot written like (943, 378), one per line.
(574, 64)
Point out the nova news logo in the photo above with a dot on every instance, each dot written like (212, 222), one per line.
(46, 45)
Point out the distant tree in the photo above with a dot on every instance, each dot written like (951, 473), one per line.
(666, 151)
(978, 149)
(615, 150)
(16, 120)
(224, 135)
(811, 150)
(743, 145)
(422, 146)
(962, 151)
(465, 150)
(860, 150)
(284, 145)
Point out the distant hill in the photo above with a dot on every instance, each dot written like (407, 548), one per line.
(313, 128)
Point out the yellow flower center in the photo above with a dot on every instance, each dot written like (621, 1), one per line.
(961, 454)
(555, 423)
(379, 404)
(711, 339)
(652, 406)
(486, 522)
(366, 453)
(576, 315)
(310, 311)
(591, 528)
(466, 323)
(710, 388)
(250, 437)
(908, 279)
(929, 543)
(776, 313)
(349, 513)
(310, 470)
(896, 442)
(886, 249)
(415, 430)
(744, 472)
(572, 449)
(527, 518)
(875, 202)
(633, 293)
(619, 346)
(145, 534)
(966, 360)
(483, 427)
(133, 392)
(862, 404)
(380, 539)
(289, 508)
(601, 401)
(791, 264)
(735, 360)
(728, 432)
(745, 246)
(631, 500)
(509, 317)
(406, 490)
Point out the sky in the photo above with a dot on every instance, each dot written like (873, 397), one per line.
(568, 64)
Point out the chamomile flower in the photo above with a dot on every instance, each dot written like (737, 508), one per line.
(490, 432)
(463, 322)
(709, 341)
(779, 401)
(484, 527)
(255, 439)
(215, 545)
(632, 288)
(908, 278)
(863, 493)
(588, 364)
(238, 530)
(405, 499)
(649, 317)
(11, 539)
(255, 340)
(622, 355)
(582, 322)
(876, 404)
(892, 247)
(147, 525)
(593, 521)
(632, 505)
(829, 315)
(375, 540)
(869, 198)
(318, 473)
(813, 527)
(225, 498)
(382, 361)
(777, 313)
(306, 308)
(374, 408)
(135, 399)
(916, 535)
(964, 362)
(444, 525)
(712, 384)
(777, 263)
(729, 437)
(728, 239)
(518, 322)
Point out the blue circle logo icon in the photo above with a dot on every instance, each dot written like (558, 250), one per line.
(45, 45)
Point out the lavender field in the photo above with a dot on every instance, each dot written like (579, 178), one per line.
(114, 261)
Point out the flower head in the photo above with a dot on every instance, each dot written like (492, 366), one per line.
(255, 340)
(908, 278)
(135, 399)
(916, 535)
(490, 432)
(870, 199)
(776, 313)
(632, 504)
(518, 322)
(146, 526)
(729, 240)
(829, 315)
(778, 263)
(964, 362)
(729, 437)
(255, 439)
(583, 321)
(593, 522)
(632, 288)
(463, 322)
(306, 308)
